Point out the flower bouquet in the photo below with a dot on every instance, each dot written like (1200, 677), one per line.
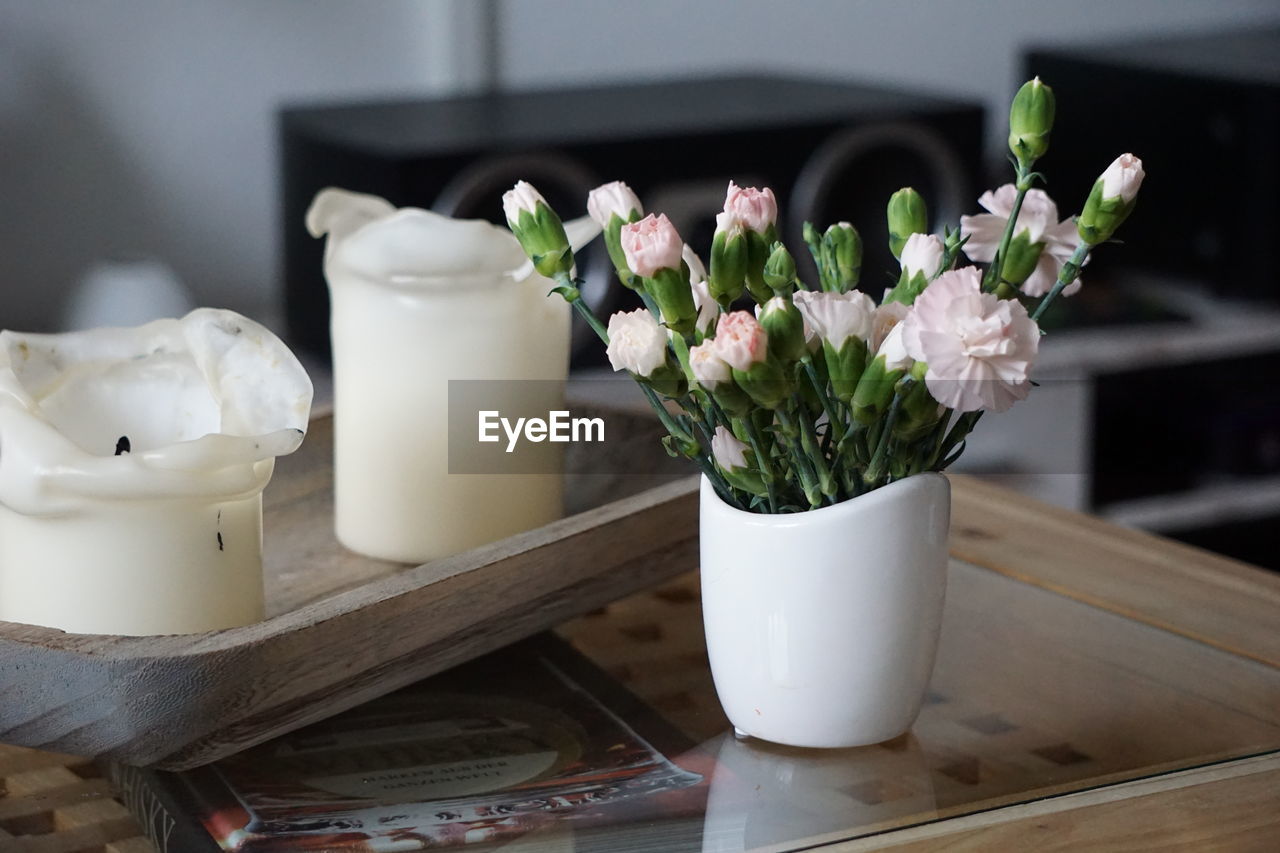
(823, 401)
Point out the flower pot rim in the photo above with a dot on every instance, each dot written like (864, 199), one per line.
(789, 518)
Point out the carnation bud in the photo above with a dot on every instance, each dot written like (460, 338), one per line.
(918, 412)
(876, 385)
(728, 272)
(1111, 200)
(671, 292)
(907, 215)
(1030, 120)
(780, 270)
(614, 199)
(841, 258)
(766, 382)
(668, 380)
(1021, 260)
(784, 326)
(613, 205)
(845, 366)
(922, 258)
(874, 391)
(737, 461)
(539, 230)
(758, 250)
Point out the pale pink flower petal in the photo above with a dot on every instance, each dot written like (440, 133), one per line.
(697, 271)
(1042, 277)
(1123, 178)
(836, 317)
(984, 231)
(740, 340)
(922, 253)
(755, 210)
(1038, 220)
(1062, 239)
(708, 310)
(708, 368)
(887, 316)
(523, 196)
(979, 348)
(999, 201)
(729, 453)
(614, 198)
(651, 244)
(894, 350)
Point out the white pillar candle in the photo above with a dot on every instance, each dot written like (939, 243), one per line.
(419, 299)
(132, 463)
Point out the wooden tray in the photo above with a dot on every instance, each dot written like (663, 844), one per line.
(342, 628)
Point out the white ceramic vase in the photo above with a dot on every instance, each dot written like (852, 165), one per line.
(822, 626)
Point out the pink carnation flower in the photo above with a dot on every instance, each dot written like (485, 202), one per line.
(740, 340)
(836, 317)
(651, 244)
(979, 347)
(1123, 178)
(707, 367)
(883, 321)
(753, 209)
(1038, 218)
(612, 199)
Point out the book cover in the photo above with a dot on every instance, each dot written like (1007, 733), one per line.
(531, 740)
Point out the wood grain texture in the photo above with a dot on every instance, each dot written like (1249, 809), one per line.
(345, 628)
(1229, 807)
(1205, 596)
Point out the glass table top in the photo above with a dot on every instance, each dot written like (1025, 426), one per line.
(1033, 695)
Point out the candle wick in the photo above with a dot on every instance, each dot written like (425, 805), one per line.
(122, 446)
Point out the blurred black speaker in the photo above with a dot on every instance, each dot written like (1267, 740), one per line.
(1203, 113)
(830, 152)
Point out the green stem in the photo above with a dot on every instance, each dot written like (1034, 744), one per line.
(1070, 272)
(719, 414)
(875, 469)
(594, 322)
(828, 405)
(934, 443)
(584, 310)
(764, 461)
(722, 487)
(809, 441)
(663, 415)
(963, 426)
(992, 278)
(810, 481)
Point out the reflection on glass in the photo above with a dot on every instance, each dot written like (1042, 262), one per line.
(764, 796)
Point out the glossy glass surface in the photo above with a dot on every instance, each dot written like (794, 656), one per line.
(1034, 695)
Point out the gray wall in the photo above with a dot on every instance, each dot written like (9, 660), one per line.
(146, 126)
